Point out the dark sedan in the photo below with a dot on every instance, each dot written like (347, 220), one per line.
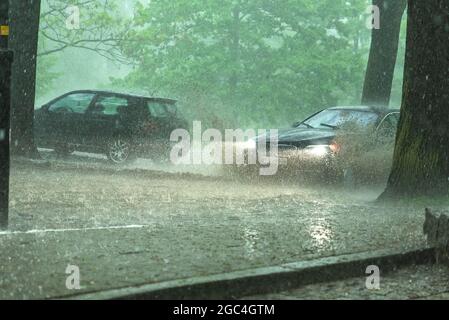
(320, 129)
(121, 126)
(320, 137)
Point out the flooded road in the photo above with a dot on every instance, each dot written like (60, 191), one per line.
(130, 225)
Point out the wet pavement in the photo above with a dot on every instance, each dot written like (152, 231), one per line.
(416, 282)
(132, 226)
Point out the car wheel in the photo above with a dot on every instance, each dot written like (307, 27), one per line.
(119, 150)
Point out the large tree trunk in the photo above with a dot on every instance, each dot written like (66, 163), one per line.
(421, 158)
(23, 41)
(383, 53)
(5, 81)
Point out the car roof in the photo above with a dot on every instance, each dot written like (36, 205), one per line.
(157, 99)
(379, 110)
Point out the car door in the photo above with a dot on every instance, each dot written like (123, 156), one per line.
(105, 118)
(63, 119)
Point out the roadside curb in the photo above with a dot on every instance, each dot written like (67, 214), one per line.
(269, 279)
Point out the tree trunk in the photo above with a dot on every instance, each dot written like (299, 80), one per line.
(23, 41)
(5, 81)
(421, 158)
(383, 53)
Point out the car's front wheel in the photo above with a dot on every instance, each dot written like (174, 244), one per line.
(120, 150)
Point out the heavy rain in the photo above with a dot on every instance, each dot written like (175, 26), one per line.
(254, 150)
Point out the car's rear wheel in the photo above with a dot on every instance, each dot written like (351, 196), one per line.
(120, 150)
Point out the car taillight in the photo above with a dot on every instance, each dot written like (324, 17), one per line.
(335, 147)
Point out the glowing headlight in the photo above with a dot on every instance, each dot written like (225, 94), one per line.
(250, 144)
(318, 150)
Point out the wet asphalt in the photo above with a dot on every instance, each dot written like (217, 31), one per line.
(148, 223)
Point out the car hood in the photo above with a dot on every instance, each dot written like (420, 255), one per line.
(302, 136)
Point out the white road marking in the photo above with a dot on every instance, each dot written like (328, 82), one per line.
(74, 229)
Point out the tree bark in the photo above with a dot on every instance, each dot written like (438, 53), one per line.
(5, 81)
(421, 157)
(23, 41)
(383, 53)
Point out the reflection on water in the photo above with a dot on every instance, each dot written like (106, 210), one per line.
(251, 237)
(318, 232)
(321, 233)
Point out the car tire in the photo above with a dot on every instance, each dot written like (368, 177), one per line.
(120, 150)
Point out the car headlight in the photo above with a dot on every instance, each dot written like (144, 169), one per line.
(250, 144)
(318, 150)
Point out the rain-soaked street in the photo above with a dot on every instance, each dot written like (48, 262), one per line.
(224, 150)
(139, 224)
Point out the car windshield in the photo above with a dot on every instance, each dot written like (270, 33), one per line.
(336, 118)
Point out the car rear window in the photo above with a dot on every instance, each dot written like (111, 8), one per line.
(110, 105)
(157, 109)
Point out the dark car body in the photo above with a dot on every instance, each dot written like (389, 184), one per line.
(95, 121)
(307, 133)
(315, 148)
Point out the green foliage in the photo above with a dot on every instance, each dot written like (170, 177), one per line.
(66, 55)
(396, 93)
(46, 76)
(266, 62)
(257, 63)
(100, 26)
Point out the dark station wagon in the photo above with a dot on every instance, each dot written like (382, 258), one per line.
(122, 126)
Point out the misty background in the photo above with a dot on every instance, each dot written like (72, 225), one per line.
(261, 65)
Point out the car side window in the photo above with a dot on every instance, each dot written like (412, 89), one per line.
(157, 110)
(110, 105)
(389, 125)
(73, 103)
